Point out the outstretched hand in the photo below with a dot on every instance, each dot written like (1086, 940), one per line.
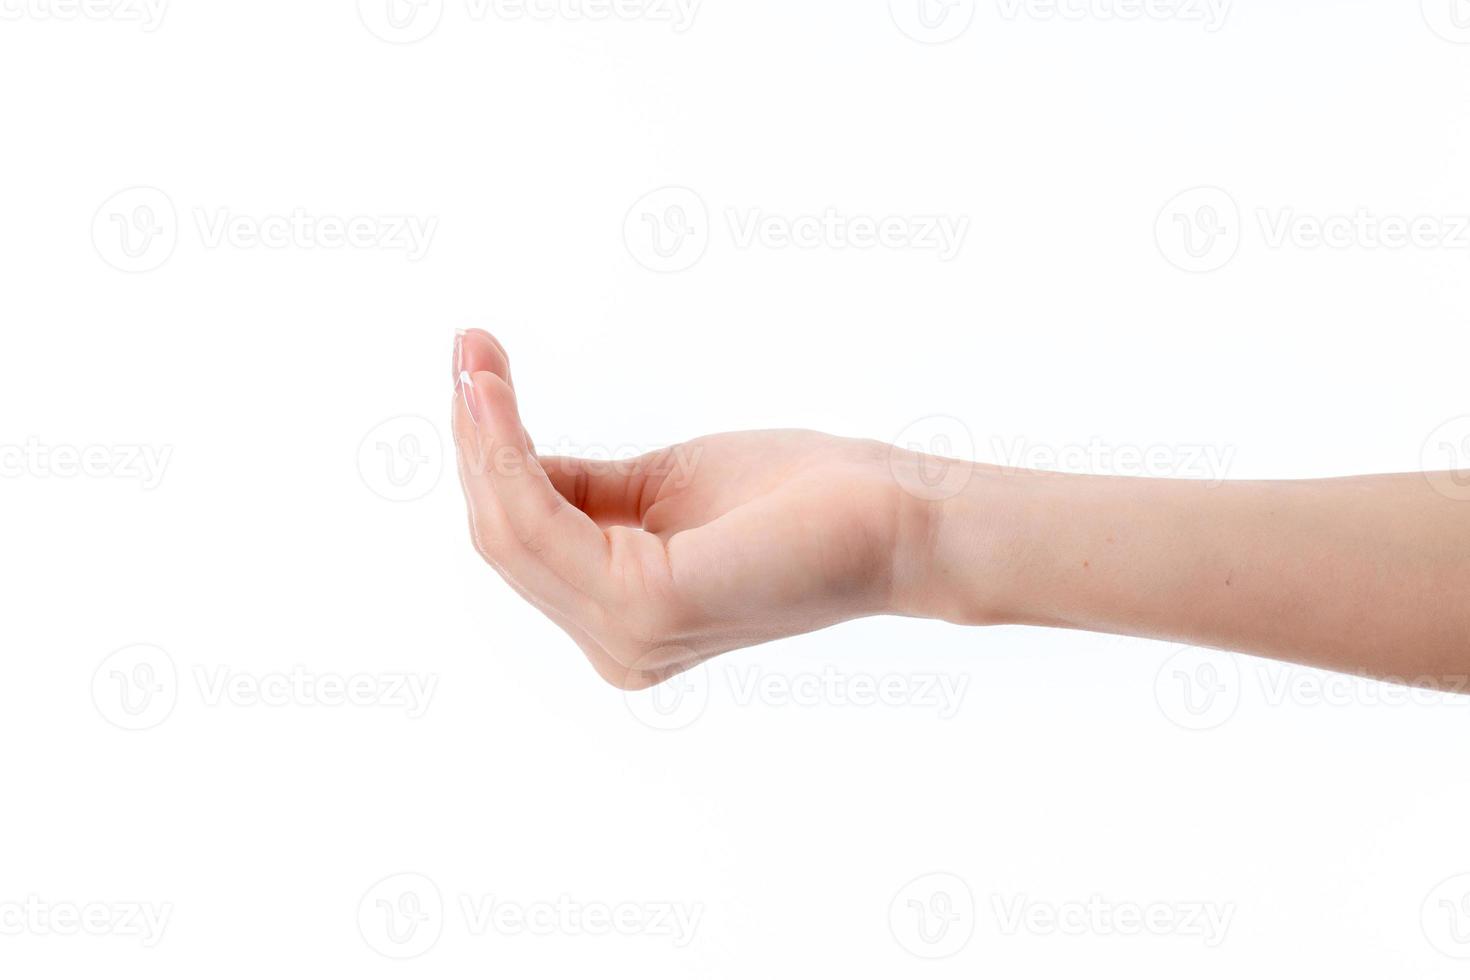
(655, 564)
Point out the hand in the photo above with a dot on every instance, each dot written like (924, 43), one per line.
(655, 564)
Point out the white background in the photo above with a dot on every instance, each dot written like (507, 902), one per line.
(301, 393)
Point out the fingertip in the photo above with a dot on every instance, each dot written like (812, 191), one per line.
(476, 350)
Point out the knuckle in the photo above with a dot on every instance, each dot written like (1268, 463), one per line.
(533, 538)
(486, 541)
(648, 624)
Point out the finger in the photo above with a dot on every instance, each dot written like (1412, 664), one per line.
(476, 350)
(491, 532)
(614, 491)
(506, 473)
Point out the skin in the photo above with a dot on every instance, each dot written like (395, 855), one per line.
(656, 564)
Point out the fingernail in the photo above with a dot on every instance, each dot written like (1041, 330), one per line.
(471, 396)
(458, 353)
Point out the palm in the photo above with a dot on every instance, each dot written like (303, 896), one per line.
(655, 564)
(780, 519)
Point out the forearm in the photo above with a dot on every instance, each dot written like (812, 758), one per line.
(1366, 574)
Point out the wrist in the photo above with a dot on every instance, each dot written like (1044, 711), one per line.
(995, 544)
(963, 541)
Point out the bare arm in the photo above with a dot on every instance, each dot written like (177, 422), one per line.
(1363, 574)
(655, 564)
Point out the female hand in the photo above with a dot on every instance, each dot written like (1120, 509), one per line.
(655, 564)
